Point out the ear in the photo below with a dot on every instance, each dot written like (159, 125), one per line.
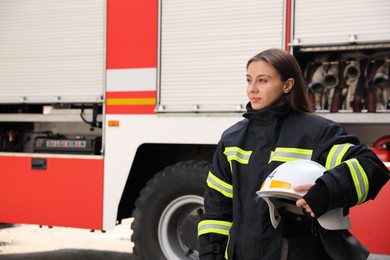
(288, 85)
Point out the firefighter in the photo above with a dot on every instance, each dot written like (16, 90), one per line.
(279, 127)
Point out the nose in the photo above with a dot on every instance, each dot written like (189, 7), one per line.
(252, 87)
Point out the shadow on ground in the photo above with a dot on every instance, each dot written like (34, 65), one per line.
(67, 254)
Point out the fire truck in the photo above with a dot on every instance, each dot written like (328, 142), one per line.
(111, 109)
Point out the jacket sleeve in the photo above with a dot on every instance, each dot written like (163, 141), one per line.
(213, 229)
(354, 173)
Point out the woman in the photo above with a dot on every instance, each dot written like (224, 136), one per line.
(278, 127)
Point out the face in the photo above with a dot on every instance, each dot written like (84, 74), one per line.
(265, 87)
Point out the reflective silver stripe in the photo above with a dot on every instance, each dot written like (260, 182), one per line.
(359, 178)
(237, 154)
(336, 155)
(217, 184)
(284, 154)
(214, 226)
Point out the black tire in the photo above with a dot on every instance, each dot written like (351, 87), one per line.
(167, 213)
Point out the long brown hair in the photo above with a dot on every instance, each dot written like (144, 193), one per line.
(288, 67)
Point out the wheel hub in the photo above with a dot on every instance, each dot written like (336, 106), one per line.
(177, 230)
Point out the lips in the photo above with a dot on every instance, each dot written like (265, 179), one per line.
(253, 99)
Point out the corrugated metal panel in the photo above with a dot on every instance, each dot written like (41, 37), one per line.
(205, 46)
(328, 22)
(52, 50)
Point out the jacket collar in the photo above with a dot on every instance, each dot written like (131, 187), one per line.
(267, 115)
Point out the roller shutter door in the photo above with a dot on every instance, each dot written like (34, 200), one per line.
(340, 22)
(52, 50)
(204, 47)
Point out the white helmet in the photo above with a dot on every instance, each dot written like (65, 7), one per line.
(278, 191)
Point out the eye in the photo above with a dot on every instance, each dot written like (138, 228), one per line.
(262, 80)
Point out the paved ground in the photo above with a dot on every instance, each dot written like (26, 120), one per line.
(22, 242)
(30, 242)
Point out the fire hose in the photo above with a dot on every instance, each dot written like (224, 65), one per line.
(339, 93)
(370, 99)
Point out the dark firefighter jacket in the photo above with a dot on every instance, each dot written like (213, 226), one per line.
(235, 219)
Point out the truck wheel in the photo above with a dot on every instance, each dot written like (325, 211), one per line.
(167, 213)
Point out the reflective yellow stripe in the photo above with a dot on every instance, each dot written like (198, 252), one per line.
(214, 226)
(237, 154)
(271, 156)
(284, 154)
(336, 155)
(359, 178)
(217, 184)
(226, 249)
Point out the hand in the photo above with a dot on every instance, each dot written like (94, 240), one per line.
(301, 202)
